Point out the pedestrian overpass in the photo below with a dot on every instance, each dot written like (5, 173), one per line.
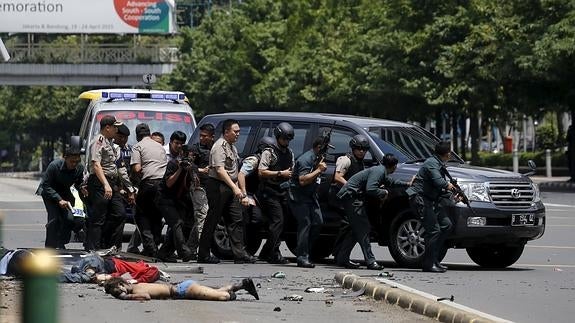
(106, 65)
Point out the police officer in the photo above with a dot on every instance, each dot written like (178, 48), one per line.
(201, 158)
(345, 167)
(275, 170)
(247, 182)
(425, 198)
(303, 200)
(149, 165)
(106, 214)
(224, 197)
(58, 199)
(121, 140)
(369, 182)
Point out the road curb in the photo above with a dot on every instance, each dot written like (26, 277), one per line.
(557, 187)
(443, 312)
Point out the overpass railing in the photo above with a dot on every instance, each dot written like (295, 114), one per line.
(92, 54)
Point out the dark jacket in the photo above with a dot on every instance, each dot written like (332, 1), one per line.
(369, 182)
(56, 181)
(430, 180)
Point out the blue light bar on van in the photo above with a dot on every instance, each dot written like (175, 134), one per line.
(153, 96)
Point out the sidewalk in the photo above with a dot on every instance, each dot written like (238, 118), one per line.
(554, 184)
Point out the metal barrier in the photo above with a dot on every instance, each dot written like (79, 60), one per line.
(92, 54)
(40, 288)
(548, 162)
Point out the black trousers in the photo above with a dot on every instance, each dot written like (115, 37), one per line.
(173, 212)
(358, 231)
(222, 203)
(58, 226)
(148, 216)
(274, 207)
(106, 218)
(436, 223)
(309, 222)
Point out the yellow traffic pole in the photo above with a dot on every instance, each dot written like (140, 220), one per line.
(40, 287)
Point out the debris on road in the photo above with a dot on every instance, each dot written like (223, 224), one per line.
(364, 310)
(277, 309)
(279, 274)
(354, 294)
(294, 297)
(446, 299)
(329, 302)
(315, 290)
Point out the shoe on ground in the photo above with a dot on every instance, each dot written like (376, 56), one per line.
(374, 266)
(349, 265)
(305, 264)
(208, 260)
(433, 269)
(247, 259)
(278, 261)
(250, 287)
(438, 264)
(167, 258)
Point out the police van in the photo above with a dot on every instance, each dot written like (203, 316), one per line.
(163, 111)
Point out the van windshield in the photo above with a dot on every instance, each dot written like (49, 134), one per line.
(408, 144)
(164, 122)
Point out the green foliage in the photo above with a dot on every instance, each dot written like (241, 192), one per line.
(546, 136)
(487, 159)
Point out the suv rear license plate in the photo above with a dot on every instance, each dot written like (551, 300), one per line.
(522, 219)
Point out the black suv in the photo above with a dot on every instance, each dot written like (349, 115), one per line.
(507, 206)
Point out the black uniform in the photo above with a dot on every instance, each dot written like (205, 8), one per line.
(353, 195)
(174, 202)
(355, 167)
(305, 206)
(429, 199)
(272, 196)
(54, 187)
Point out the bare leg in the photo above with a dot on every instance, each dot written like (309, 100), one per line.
(197, 291)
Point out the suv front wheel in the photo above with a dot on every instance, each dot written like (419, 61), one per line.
(406, 244)
(497, 256)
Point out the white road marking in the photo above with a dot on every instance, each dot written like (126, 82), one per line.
(559, 205)
(434, 298)
(514, 266)
(550, 247)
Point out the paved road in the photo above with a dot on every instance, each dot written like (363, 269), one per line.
(540, 287)
(25, 218)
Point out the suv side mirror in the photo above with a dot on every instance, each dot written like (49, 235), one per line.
(532, 166)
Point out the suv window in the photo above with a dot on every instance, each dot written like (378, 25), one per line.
(340, 139)
(297, 145)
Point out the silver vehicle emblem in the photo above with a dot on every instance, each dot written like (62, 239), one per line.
(515, 193)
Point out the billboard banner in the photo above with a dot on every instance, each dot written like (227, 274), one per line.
(88, 16)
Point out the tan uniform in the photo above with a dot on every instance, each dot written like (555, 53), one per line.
(226, 155)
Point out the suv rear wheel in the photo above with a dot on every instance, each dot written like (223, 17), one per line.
(497, 256)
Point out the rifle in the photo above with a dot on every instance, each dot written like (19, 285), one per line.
(458, 191)
(324, 146)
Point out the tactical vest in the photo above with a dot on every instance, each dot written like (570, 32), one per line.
(280, 160)
(355, 167)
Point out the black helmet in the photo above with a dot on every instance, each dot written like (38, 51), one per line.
(266, 142)
(358, 142)
(285, 130)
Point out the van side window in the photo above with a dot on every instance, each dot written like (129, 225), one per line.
(247, 130)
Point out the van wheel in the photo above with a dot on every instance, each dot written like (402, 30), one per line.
(221, 246)
(406, 244)
(498, 256)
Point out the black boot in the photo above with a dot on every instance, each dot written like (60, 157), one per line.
(247, 284)
(184, 251)
(439, 265)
